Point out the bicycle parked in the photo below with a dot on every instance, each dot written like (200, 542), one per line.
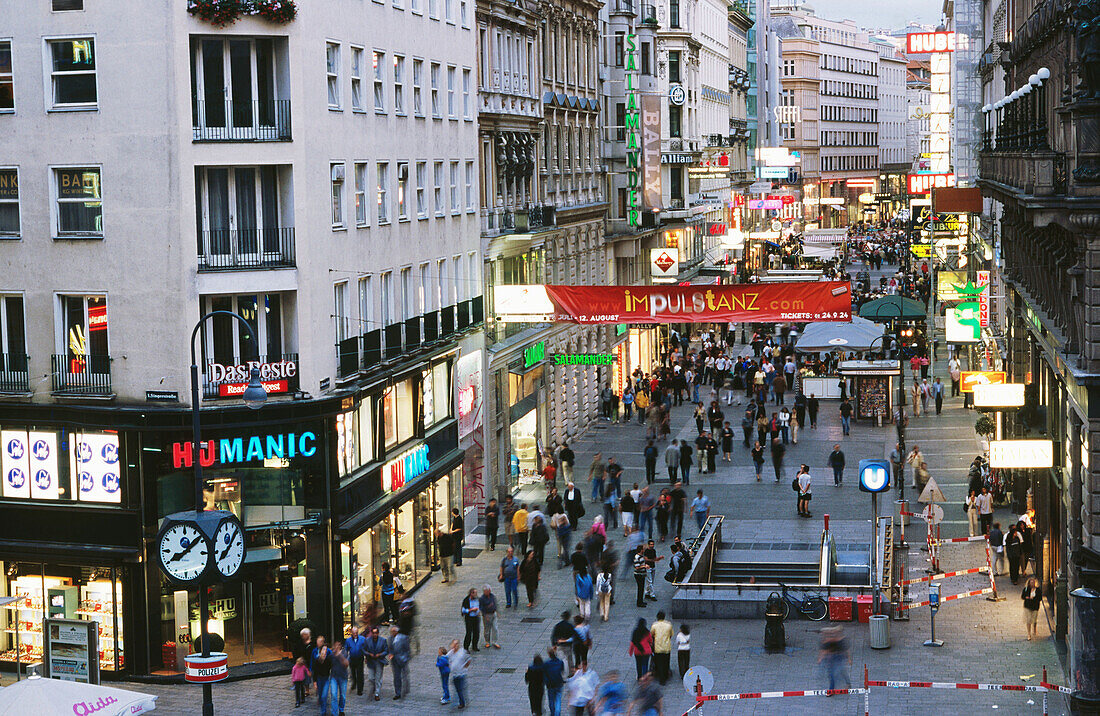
(813, 606)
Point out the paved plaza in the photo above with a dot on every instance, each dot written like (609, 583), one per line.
(984, 641)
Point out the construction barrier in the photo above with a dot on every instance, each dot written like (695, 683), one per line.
(942, 575)
(1043, 688)
(964, 595)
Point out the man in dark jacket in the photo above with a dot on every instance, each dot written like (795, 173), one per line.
(562, 638)
(811, 408)
(458, 533)
(574, 505)
(836, 461)
(778, 451)
(567, 457)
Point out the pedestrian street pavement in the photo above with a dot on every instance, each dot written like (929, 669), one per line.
(984, 641)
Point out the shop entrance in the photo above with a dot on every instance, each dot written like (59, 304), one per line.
(251, 613)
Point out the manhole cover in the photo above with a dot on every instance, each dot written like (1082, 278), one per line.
(532, 620)
(505, 670)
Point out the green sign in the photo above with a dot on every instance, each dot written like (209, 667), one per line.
(584, 359)
(620, 328)
(633, 134)
(533, 354)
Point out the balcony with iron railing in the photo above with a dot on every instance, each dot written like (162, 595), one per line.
(240, 121)
(14, 375)
(381, 346)
(279, 374)
(82, 375)
(246, 249)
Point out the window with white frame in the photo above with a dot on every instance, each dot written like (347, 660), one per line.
(362, 216)
(455, 206)
(7, 78)
(379, 87)
(332, 69)
(402, 191)
(466, 110)
(435, 90)
(441, 282)
(340, 310)
(357, 79)
(463, 15)
(9, 203)
(473, 269)
(407, 310)
(336, 174)
(416, 7)
(470, 186)
(438, 197)
(433, 9)
(399, 84)
(79, 202)
(385, 298)
(383, 192)
(73, 73)
(13, 338)
(452, 72)
(449, 11)
(366, 304)
(418, 80)
(421, 195)
(82, 333)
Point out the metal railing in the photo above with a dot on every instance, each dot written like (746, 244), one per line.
(241, 121)
(14, 377)
(82, 375)
(260, 248)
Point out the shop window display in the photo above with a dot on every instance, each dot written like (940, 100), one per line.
(525, 449)
(61, 592)
(397, 413)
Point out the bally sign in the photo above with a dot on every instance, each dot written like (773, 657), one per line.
(231, 380)
(407, 466)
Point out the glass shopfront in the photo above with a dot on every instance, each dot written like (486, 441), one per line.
(527, 425)
(404, 538)
(62, 592)
(270, 478)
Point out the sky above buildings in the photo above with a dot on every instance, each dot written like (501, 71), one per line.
(880, 13)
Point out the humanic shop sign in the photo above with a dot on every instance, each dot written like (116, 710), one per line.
(232, 450)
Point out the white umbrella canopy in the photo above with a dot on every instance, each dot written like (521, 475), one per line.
(857, 335)
(53, 697)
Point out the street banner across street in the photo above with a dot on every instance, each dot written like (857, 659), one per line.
(793, 301)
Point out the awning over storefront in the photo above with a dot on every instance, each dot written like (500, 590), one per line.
(859, 335)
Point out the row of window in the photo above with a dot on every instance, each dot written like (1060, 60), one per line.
(835, 113)
(571, 148)
(392, 74)
(395, 296)
(453, 185)
(837, 88)
(76, 204)
(71, 74)
(848, 162)
(847, 64)
(80, 333)
(644, 55)
(831, 138)
(417, 8)
(569, 54)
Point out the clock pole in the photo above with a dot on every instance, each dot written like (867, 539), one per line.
(254, 396)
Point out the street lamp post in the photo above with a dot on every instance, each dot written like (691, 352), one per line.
(900, 421)
(254, 397)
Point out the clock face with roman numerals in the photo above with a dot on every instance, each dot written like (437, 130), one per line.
(184, 552)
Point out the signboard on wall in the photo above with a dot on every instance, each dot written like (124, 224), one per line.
(922, 43)
(468, 392)
(95, 461)
(664, 264)
(924, 183)
(969, 378)
(651, 151)
(1021, 453)
(961, 323)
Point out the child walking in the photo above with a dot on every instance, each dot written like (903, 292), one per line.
(444, 665)
(299, 674)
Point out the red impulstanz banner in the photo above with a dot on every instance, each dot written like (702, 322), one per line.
(795, 301)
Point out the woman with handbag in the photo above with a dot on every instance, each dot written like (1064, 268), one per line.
(971, 507)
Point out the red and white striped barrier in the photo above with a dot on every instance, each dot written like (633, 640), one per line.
(951, 598)
(977, 538)
(782, 694)
(1053, 687)
(954, 685)
(943, 575)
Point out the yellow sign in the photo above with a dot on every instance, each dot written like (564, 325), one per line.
(921, 251)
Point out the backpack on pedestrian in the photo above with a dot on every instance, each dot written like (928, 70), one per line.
(794, 485)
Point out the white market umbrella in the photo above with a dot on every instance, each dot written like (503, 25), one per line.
(53, 697)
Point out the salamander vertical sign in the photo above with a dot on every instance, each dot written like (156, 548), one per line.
(633, 134)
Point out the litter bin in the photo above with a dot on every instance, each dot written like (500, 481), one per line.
(775, 637)
(880, 631)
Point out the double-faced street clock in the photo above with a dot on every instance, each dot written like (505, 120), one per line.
(197, 548)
